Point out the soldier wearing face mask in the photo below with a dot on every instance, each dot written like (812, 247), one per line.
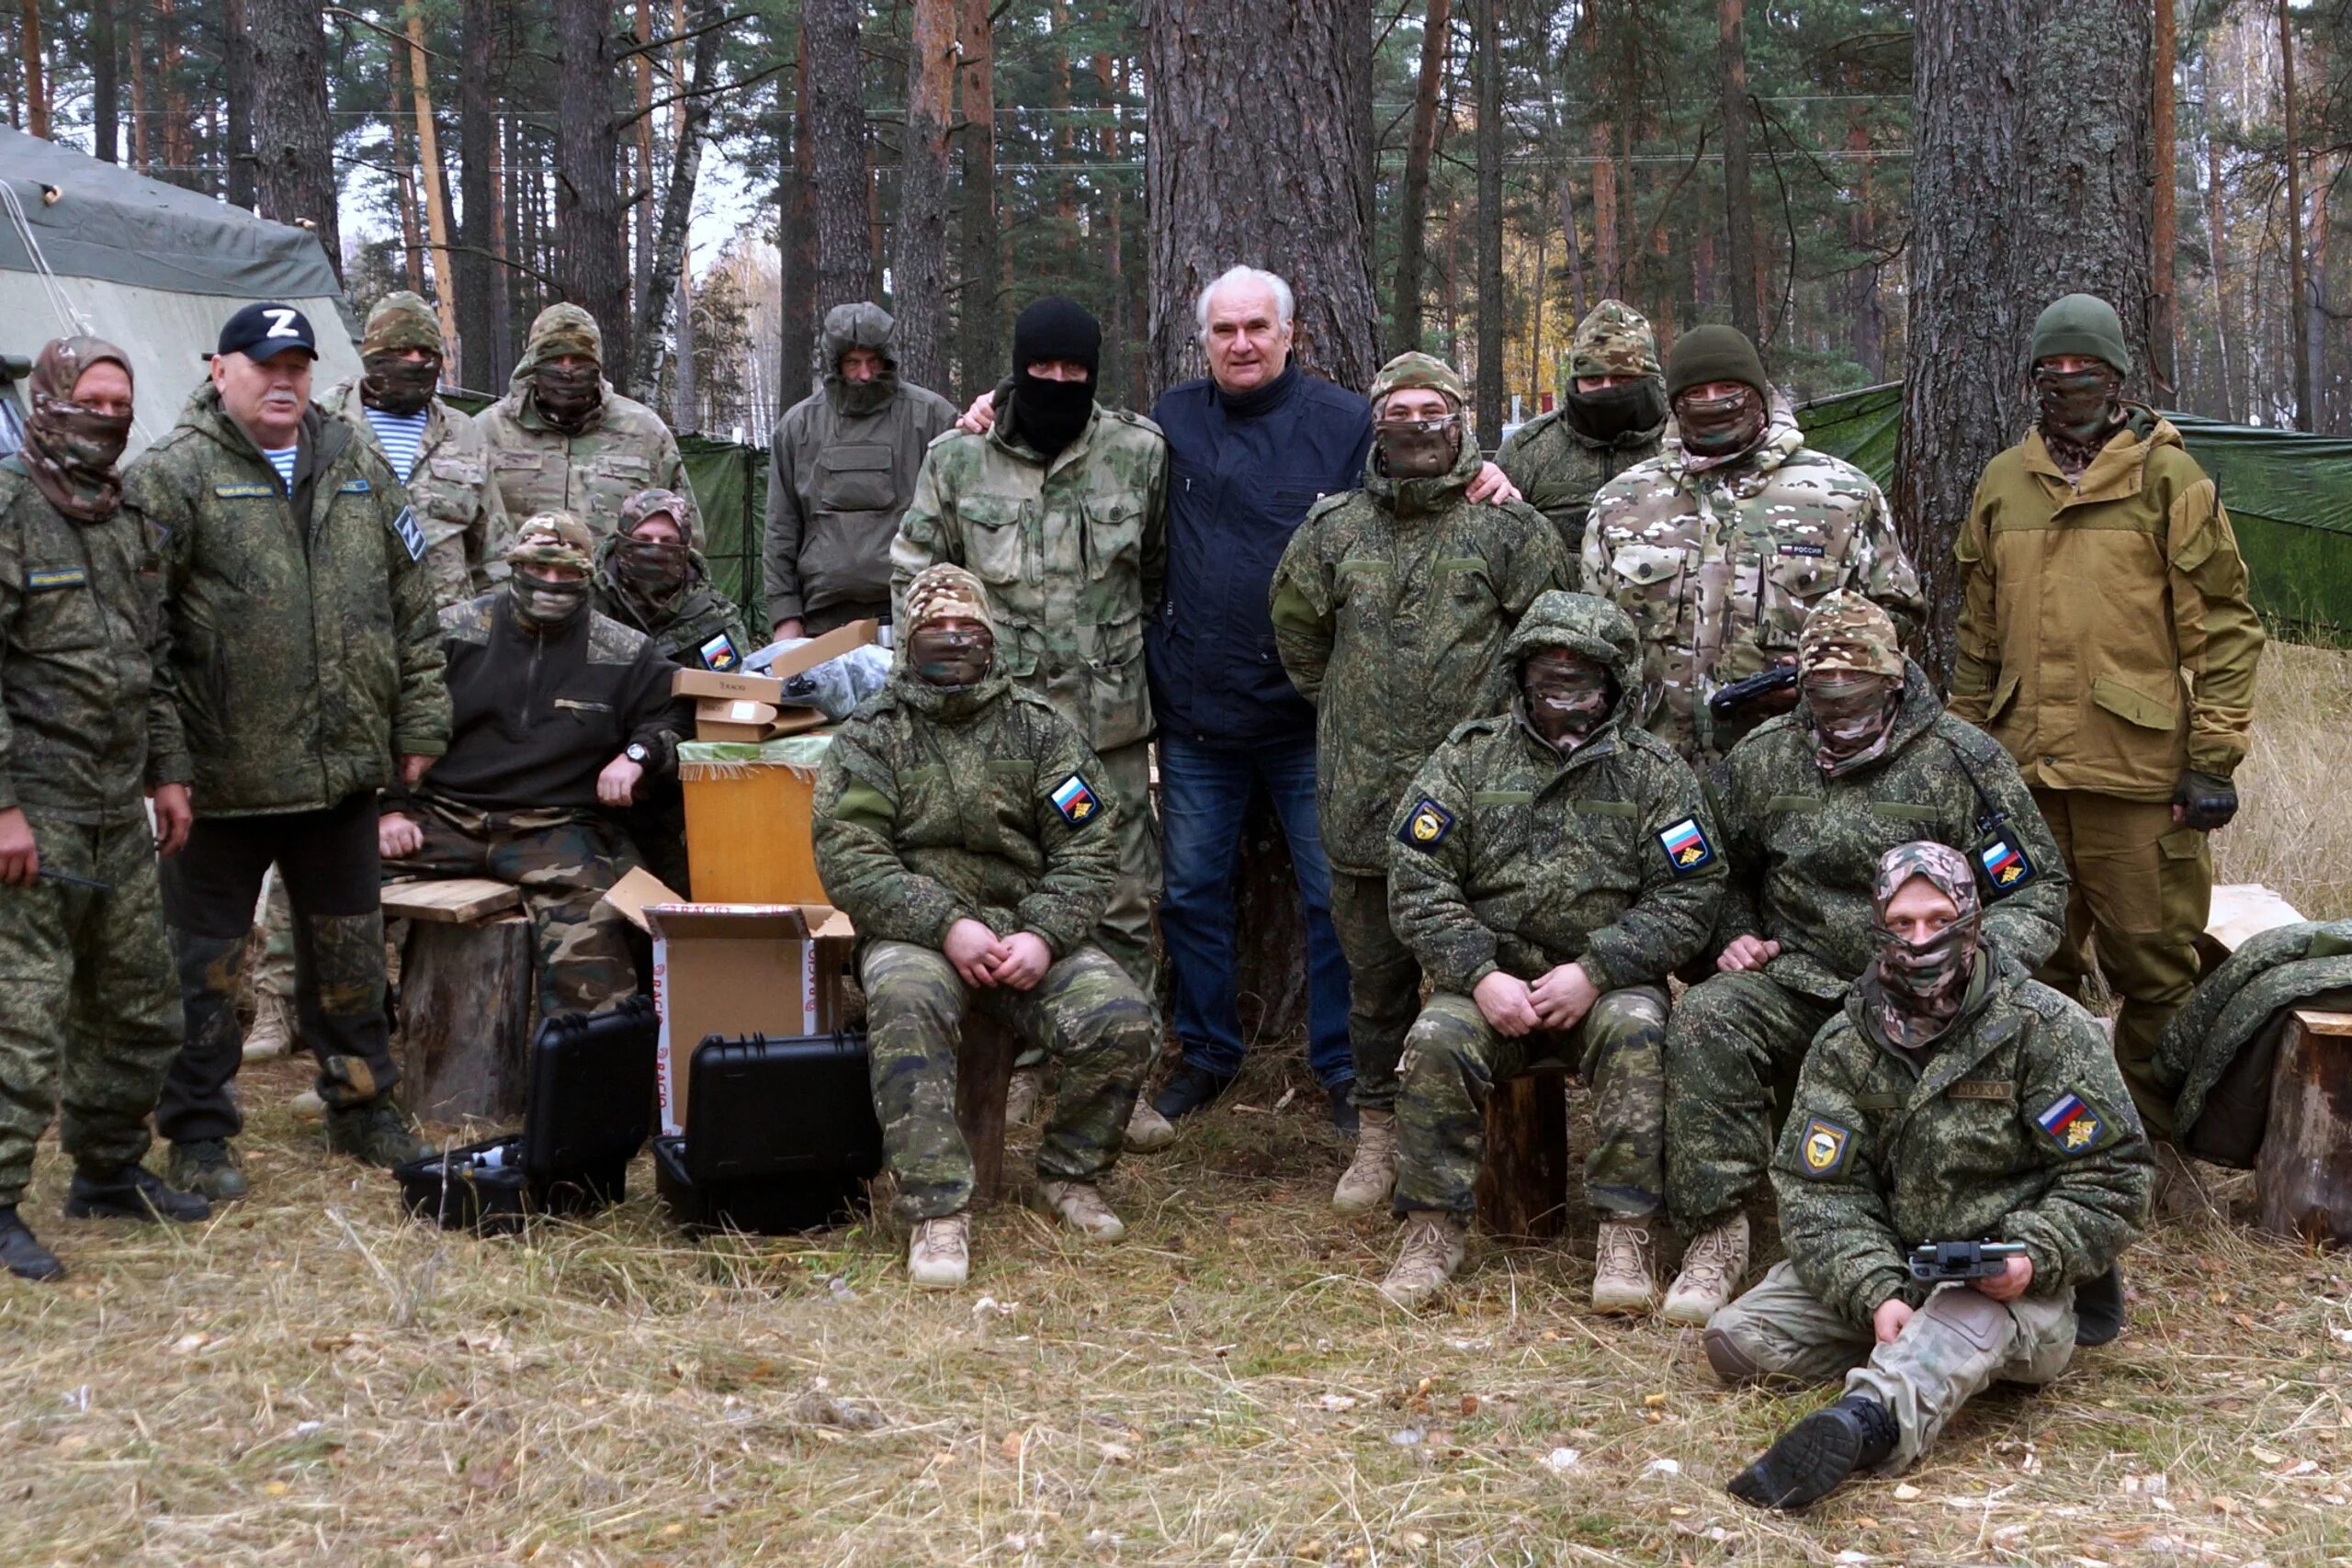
(1721, 544)
(1867, 760)
(564, 440)
(1391, 609)
(2107, 640)
(1549, 867)
(1614, 417)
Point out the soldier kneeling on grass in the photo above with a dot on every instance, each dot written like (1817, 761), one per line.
(1950, 1099)
(960, 823)
(1552, 866)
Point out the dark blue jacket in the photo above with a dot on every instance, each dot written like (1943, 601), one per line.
(1242, 473)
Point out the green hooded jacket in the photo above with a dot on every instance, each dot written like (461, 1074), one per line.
(684, 630)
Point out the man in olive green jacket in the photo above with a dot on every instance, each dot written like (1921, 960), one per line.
(2107, 640)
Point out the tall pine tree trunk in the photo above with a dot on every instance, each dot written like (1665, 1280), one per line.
(237, 90)
(590, 228)
(1739, 208)
(475, 271)
(106, 81)
(980, 340)
(36, 88)
(1413, 198)
(293, 139)
(692, 124)
(919, 259)
(2164, 132)
(2298, 287)
(797, 254)
(1488, 15)
(838, 141)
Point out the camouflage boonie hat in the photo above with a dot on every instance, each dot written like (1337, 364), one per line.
(553, 538)
(1614, 340)
(401, 320)
(943, 590)
(1411, 371)
(1848, 632)
(646, 504)
(1946, 869)
(560, 329)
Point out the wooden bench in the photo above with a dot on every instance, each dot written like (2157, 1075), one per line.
(983, 1076)
(468, 987)
(1522, 1186)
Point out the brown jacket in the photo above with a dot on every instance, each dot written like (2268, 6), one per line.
(2106, 637)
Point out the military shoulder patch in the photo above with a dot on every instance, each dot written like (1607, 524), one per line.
(352, 487)
(43, 578)
(1426, 826)
(2006, 865)
(411, 537)
(1822, 1154)
(719, 653)
(2071, 1124)
(1815, 551)
(246, 492)
(1075, 800)
(1686, 846)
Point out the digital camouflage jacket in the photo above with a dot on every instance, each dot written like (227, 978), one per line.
(687, 630)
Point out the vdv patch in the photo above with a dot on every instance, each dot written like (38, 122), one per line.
(2071, 1124)
(1813, 550)
(246, 492)
(411, 537)
(352, 487)
(1426, 829)
(55, 577)
(1824, 1149)
(1686, 846)
(2007, 869)
(719, 653)
(1074, 799)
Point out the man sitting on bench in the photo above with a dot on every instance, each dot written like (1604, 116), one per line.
(559, 715)
(1553, 865)
(960, 823)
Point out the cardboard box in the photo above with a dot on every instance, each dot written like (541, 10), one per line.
(717, 718)
(819, 651)
(727, 686)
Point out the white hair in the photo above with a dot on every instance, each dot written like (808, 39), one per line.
(1284, 302)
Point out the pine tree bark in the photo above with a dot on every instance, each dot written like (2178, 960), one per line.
(693, 123)
(2163, 301)
(436, 190)
(1739, 210)
(797, 255)
(591, 252)
(980, 338)
(918, 257)
(2298, 301)
(106, 81)
(837, 143)
(36, 88)
(293, 139)
(1488, 15)
(1413, 196)
(474, 269)
(237, 91)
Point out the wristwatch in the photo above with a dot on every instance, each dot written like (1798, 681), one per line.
(638, 753)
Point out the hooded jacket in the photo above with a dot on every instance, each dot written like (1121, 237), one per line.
(460, 510)
(687, 631)
(2218, 1054)
(303, 647)
(1506, 855)
(837, 483)
(2116, 690)
(1558, 467)
(1391, 608)
(984, 804)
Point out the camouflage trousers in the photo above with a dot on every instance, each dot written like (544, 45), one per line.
(1453, 1058)
(1383, 985)
(1734, 1039)
(561, 869)
(1958, 1343)
(89, 1014)
(1125, 931)
(1085, 1011)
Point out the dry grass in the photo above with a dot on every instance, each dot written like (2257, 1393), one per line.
(311, 1376)
(2295, 832)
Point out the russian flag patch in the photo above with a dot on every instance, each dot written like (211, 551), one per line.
(1686, 846)
(1074, 799)
(2069, 1123)
(2007, 869)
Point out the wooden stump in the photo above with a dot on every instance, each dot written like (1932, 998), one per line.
(983, 1074)
(465, 1018)
(2304, 1175)
(1522, 1188)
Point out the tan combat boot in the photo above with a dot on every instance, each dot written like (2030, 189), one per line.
(1621, 1280)
(1022, 1092)
(1712, 1270)
(274, 1033)
(939, 1254)
(1147, 1129)
(1080, 1206)
(1433, 1248)
(1371, 1177)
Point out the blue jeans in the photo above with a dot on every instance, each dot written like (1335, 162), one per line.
(1203, 796)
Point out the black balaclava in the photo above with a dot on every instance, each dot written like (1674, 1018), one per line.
(1630, 408)
(1049, 415)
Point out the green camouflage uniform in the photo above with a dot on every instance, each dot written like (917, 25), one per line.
(1391, 608)
(1803, 849)
(2013, 1125)
(983, 803)
(1718, 563)
(1558, 468)
(1073, 553)
(624, 448)
(1507, 855)
(86, 990)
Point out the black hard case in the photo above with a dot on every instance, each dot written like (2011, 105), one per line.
(780, 1135)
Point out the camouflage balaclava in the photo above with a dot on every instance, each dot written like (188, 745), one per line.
(1849, 670)
(951, 657)
(1615, 341)
(568, 395)
(1919, 986)
(544, 601)
(70, 450)
(2078, 410)
(653, 572)
(1568, 695)
(399, 325)
(860, 326)
(1417, 449)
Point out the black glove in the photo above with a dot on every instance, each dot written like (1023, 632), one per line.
(2207, 800)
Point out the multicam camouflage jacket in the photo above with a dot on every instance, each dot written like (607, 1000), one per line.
(625, 449)
(459, 510)
(1391, 608)
(1073, 552)
(1719, 563)
(1506, 855)
(2015, 1125)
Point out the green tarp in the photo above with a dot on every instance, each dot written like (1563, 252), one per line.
(2289, 497)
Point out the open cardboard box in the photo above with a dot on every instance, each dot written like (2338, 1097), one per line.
(732, 969)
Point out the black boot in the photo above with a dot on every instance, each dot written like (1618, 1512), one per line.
(2099, 1307)
(1344, 1106)
(26, 1258)
(1188, 1089)
(1813, 1457)
(131, 1193)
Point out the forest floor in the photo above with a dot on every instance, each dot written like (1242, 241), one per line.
(312, 1377)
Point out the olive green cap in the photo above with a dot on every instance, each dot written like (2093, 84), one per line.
(1709, 354)
(2081, 323)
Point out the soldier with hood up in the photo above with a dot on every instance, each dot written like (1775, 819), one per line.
(564, 440)
(1614, 417)
(1549, 867)
(840, 472)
